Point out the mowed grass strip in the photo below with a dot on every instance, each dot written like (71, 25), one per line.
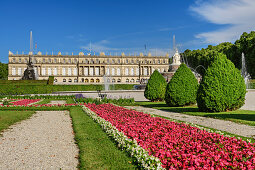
(239, 116)
(97, 150)
(8, 118)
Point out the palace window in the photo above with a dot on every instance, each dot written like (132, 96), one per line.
(13, 60)
(91, 80)
(91, 61)
(137, 71)
(97, 61)
(113, 61)
(137, 61)
(19, 71)
(75, 80)
(49, 60)
(75, 71)
(113, 71)
(75, 61)
(86, 80)
(137, 80)
(63, 71)
(55, 71)
(86, 61)
(108, 61)
(19, 60)
(97, 80)
(91, 71)
(132, 80)
(69, 61)
(69, 80)
(119, 80)
(13, 71)
(55, 80)
(152, 70)
(118, 61)
(64, 80)
(132, 71)
(86, 71)
(43, 71)
(44, 60)
(69, 71)
(118, 71)
(127, 61)
(158, 61)
(145, 71)
(49, 71)
(126, 71)
(64, 61)
(55, 60)
(25, 60)
(97, 71)
(127, 80)
(132, 61)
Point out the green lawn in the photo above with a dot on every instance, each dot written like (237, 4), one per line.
(97, 150)
(8, 118)
(238, 116)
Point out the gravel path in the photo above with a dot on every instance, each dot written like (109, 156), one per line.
(228, 126)
(45, 141)
(57, 102)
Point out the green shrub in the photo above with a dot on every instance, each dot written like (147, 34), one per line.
(182, 88)
(222, 88)
(156, 87)
(50, 80)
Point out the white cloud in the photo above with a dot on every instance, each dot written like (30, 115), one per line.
(100, 46)
(236, 15)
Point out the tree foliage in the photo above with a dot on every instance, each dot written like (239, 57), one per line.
(245, 44)
(182, 88)
(3, 71)
(222, 87)
(156, 87)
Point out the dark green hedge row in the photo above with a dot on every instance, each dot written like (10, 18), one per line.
(12, 89)
(23, 82)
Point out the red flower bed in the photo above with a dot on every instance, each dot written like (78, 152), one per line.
(179, 145)
(25, 102)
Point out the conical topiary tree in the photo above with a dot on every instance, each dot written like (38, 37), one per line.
(156, 87)
(182, 88)
(222, 87)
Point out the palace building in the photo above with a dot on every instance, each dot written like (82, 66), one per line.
(88, 69)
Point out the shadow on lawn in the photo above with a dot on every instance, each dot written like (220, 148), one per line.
(247, 117)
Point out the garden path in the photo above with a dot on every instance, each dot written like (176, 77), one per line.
(44, 141)
(227, 126)
(57, 102)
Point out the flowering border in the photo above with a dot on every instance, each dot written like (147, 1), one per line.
(141, 155)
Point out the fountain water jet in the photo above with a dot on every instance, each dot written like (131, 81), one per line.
(244, 72)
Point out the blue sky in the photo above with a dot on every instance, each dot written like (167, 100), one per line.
(115, 26)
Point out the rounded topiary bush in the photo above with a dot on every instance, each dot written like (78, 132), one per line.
(222, 87)
(156, 87)
(182, 88)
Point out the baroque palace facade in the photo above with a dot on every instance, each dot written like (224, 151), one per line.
(88, 69)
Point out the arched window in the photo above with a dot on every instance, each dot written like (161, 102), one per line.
(132, 81)
(137, 80)
(126, 71)
(75, 80)
(97, 80)
(113, 80)
(127, 80)
(118, 71)
(113, 71)
(91, 80)
(108, 80)
(86, 80)
(82, 80)
(119, 80)
(64, 80)
(55, 80)
(69, 80)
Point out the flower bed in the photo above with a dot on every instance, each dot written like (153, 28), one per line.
(24, 102)
(179, 145)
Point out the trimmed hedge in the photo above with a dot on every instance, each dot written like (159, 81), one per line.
(182, 88)
(50, 80)
(23, 82)
(156, 87)
(20, 89)
(222, 87)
